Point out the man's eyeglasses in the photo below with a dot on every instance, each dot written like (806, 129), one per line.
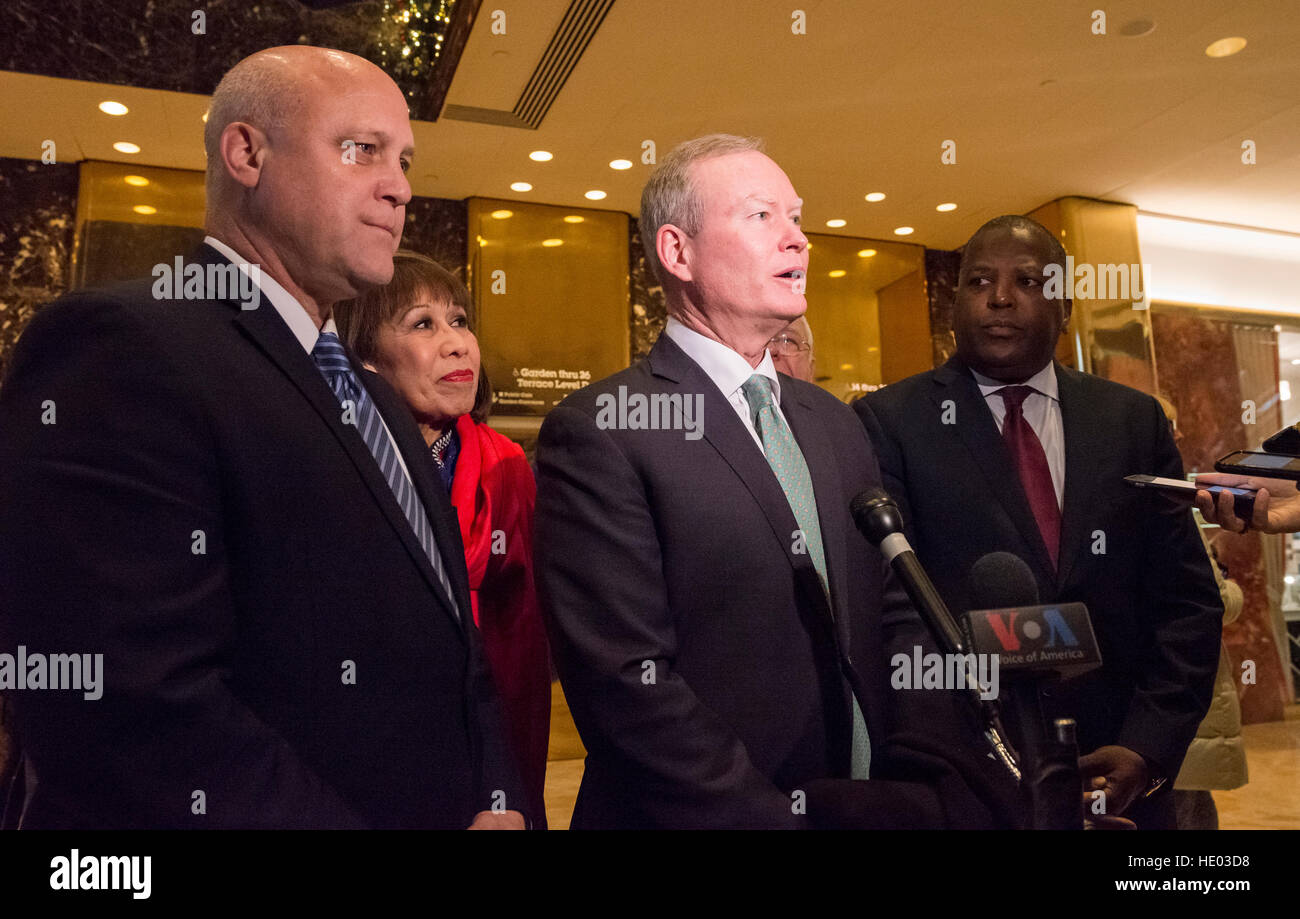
(787, 345)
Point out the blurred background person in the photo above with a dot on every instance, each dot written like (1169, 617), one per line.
(792, 351)
(417, 333)
(1216, 758)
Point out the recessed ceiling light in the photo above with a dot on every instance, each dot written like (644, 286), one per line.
(838, 273)
(903, 231)
(944, 208)
(876, 196)
(108, 107)
(541, 156)
(866, 253)
(837, 222)
(520, 186)
(123, 146)
(1295, 360)
(137, 181)
(620, 164)
(1225, 47)
(552, 243)
(502, 214)
(145, 209)
(595, 195)
(573, 218)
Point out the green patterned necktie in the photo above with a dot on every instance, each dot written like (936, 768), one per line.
(786, 460)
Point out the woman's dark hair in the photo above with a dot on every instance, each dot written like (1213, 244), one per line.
(360, 319)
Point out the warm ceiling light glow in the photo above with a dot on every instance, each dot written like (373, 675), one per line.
(836, 223)
(137, 181)
(620, 164)
(502, 214)
(595, 195)
(866, 253)
(838, 273)
(903, 231)
(552, 243)
(520, 186)
(541, 156)
(144, 209)
(205, 117)
(1225, 47)
(573, 218)
(123, 146)
(945, 208)
(108, 107)
(876, 196)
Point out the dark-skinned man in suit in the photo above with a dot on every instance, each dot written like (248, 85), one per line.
(1003, 449)
(719, 625)
(239, 517)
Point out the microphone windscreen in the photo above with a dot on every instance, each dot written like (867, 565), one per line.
(875, 514)
(1000, 580)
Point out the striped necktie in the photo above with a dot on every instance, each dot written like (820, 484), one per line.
(786, 459)
(337, 370)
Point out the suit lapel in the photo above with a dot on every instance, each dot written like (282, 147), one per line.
(979, 432)
(1079, 419)
(264, 327)
(727, 434)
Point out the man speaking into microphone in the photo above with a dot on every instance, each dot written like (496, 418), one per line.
(721, 629)
(1002, 449)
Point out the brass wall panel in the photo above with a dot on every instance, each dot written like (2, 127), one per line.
(552, 299)
(844, 309)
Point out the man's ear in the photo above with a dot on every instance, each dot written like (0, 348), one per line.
(673, 246)
(1067, 306)
(242, 149)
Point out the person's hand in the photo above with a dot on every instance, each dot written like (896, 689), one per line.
(1093, 821)
(1277, 504)
(498, 820)
(1119, 772)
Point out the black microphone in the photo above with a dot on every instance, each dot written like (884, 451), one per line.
(1002, 587)
(1000, 580)
(881, 522)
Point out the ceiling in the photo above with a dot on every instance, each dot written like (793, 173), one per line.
(1038, 106)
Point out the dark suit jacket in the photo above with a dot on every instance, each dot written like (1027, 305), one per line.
(1151, 593)
(225, 652)
(705, 671)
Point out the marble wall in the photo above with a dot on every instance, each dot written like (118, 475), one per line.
(438, 228)
(37, 220)
(646, 298)
(1198, 372)
(940, 287)
(157, 44)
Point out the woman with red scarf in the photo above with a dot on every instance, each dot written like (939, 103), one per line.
(417, 333)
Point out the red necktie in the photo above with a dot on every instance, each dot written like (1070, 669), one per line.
(1031, 465)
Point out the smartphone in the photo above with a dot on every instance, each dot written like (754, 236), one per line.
(1269, 465)
(1243, 499)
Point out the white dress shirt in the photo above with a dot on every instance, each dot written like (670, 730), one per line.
(297, 319)
(1042, 409)
(728, 371)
